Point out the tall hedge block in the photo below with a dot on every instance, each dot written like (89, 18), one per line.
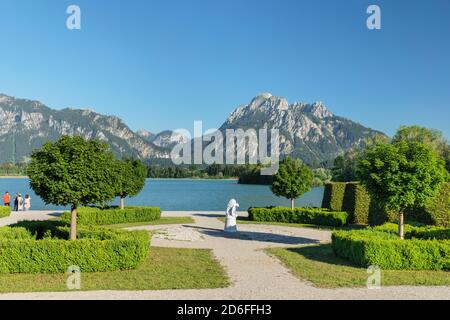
(334, 196)
(353, 198)
(356, 203)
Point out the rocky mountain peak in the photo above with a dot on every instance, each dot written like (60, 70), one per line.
(309, 130)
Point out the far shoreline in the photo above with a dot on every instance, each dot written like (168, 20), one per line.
(222, 179)
(13, 177)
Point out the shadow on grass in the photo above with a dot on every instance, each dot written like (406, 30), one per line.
(321, 253)
(255, 236)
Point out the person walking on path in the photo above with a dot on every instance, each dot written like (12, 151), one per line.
(7, 199)
(27, 203)
(16, 202)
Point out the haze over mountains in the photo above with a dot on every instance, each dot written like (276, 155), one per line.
(309, 131)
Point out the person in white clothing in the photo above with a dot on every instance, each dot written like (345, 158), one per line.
(20, 203)
(27, 203)
(231, 216)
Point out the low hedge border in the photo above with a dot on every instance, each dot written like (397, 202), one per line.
(5, 211)
(31, 250)
(315, 216)
(113, 215)
(382, 247)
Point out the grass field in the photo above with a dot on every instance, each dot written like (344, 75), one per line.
(165, 268)
(318, 265)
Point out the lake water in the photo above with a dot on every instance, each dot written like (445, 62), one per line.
(186, 195)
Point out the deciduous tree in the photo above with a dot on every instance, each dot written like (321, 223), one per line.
(73, 171)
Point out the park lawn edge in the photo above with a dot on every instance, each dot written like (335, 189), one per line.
(163, 269)
(317, 265)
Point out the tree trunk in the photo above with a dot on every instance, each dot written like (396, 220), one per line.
(73, 224)
(401, 221)
(292, 204)
(122, 202)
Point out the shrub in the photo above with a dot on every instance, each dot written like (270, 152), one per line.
(5, 211)
(437, 212)
(384, 249)
(333, 196)
(356, 203)
(113, 215)
(315, 216)
(97, 250)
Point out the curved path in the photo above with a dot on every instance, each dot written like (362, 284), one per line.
(253, 273)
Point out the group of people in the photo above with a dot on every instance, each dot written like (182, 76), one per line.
(19, 203)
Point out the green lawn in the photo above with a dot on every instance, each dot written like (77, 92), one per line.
(161, 221)
(245, 220)
(165, 268)
(318, 265)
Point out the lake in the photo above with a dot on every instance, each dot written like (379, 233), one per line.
(185, 195)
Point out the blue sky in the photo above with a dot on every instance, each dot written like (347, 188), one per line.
(163, 64)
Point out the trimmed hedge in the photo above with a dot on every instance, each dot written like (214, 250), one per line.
(386, 250)
(114, 215)
(315, 216)
(5, 211)
(356, 201)
(417, 232)
(333, 196)
(97, 250)
(437, 212)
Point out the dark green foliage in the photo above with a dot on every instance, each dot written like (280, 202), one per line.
(292, 180)
(97, 250)
(437, 211)
(334, 196)
(356, 203)
(344, 167)
(252, 175)
(379, 214)
(5, 211)
(130, 177)
(73, 171)
(114, 215)
(315, 216)
(384, 249)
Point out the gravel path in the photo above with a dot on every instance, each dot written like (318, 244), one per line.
(254, 274)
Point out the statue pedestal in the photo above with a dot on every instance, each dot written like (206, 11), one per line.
(230, 224)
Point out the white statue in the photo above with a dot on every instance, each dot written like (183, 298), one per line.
(231, 215)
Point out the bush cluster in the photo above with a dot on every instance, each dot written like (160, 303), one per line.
(425, 248)
(315, 216)
(114, 215)
(40, 247)
(353, 198)
(5, 211)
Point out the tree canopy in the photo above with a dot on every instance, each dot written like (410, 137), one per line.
(292, 180)
(73, 171)
(130, 177)
(401, 174)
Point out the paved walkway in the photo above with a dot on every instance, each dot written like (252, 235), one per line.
(254, 274)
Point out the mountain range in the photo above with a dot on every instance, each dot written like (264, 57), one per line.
(308, 131)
